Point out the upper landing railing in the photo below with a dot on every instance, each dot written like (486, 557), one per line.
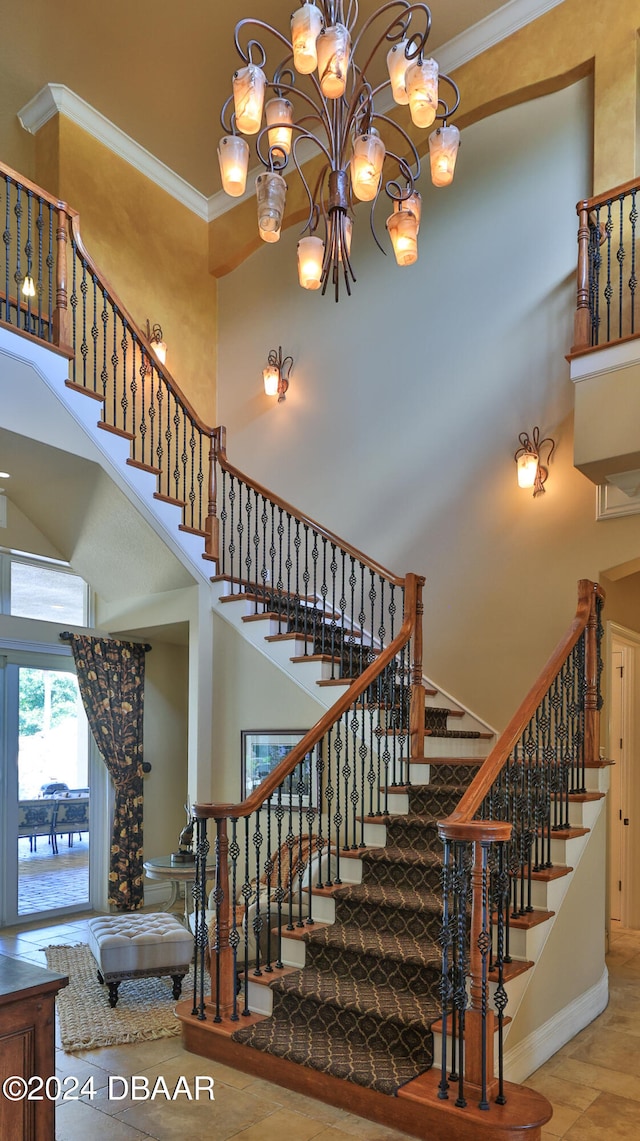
(607, 302)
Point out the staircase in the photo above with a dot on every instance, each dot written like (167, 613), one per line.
(386, 890)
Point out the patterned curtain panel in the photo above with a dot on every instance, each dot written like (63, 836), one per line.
(111, 682)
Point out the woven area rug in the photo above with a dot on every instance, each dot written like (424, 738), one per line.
(145, 1010)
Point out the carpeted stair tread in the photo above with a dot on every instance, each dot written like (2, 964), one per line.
(366, 998)
(393, 855)
(380, 944)
(466, 733)
(353, 1058)
(379, 895)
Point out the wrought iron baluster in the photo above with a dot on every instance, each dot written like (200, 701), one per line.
(201, 932)
(257, 915)
(50, 264)
(6, 237)
(268, 873)
(279, 813)
(633, 283)
(247, 892)
(234, 934)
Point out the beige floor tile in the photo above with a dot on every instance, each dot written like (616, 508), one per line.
(599, 1078)
(369, 1130)
(282, 1123)
(613, 1051)
(608, 1119)
(200, 1120)
(561, 1092)
(116, 1096)
(278, 1095)
(132, 1059)
(563, 1118)
(67, 1066)
(77, 1122)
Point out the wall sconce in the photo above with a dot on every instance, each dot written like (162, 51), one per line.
(531, 472)
(28, 286)
(276, 374)
(154, 335)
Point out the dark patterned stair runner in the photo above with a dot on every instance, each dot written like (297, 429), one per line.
(362, 1007)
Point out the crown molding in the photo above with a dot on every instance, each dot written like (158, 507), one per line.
(501, 24)
(55, 99)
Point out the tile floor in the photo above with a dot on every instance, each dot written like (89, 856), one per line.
(593, 1082)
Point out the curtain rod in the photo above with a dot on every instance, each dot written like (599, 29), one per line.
(66, 636)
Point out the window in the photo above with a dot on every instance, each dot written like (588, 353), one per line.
(43, 589)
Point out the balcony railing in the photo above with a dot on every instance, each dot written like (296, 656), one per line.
(607, 303)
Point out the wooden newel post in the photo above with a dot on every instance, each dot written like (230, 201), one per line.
(61, 330)
(416, 712)
(592, 683)
(223, 983)
(479, 1022)
(212, 523)
(582, 319)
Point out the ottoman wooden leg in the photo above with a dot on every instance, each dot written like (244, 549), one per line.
(177, 985)
(113, 993)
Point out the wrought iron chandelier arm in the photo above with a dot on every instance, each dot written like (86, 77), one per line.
(448, 111)
(228, 127)
(245, 54)
(417, 41)
(393, 189)
(314, 211)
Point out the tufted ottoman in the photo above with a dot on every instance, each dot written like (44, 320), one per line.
(139, 945)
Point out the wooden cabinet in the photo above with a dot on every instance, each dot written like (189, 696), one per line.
(27, 1046)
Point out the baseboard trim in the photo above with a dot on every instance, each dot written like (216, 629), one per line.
(538, 1047)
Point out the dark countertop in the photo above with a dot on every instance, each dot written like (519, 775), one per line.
(26, 978)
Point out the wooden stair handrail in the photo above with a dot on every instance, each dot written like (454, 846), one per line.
(317, 732)
(609, 195)
(161, 369)
(307, 521)
(478, 789)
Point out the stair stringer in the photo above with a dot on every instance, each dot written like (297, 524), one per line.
(106, 448)
(571, 955)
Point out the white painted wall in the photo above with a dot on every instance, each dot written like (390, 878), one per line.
(406, 400)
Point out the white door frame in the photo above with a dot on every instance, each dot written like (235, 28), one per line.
(626, 778)
(43, 656)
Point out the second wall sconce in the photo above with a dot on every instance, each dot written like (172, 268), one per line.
(276, 374)
(531, 472)
(158, 344)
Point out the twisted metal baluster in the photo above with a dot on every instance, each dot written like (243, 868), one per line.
(201, 935)
(500, 996)
(445, 988)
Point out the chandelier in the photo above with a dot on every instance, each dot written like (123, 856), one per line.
(326, 98)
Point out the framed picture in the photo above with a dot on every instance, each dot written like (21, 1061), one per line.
(262, 751)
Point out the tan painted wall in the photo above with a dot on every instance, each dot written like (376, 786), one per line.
(151, 249)
(249, 693)
(406, 400)
(21, 535)
(559, 978)
(165, 746)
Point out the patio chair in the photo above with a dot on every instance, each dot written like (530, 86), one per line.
(72, 815)
(35, 818)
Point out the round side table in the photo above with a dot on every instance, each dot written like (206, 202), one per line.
(161, 868)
